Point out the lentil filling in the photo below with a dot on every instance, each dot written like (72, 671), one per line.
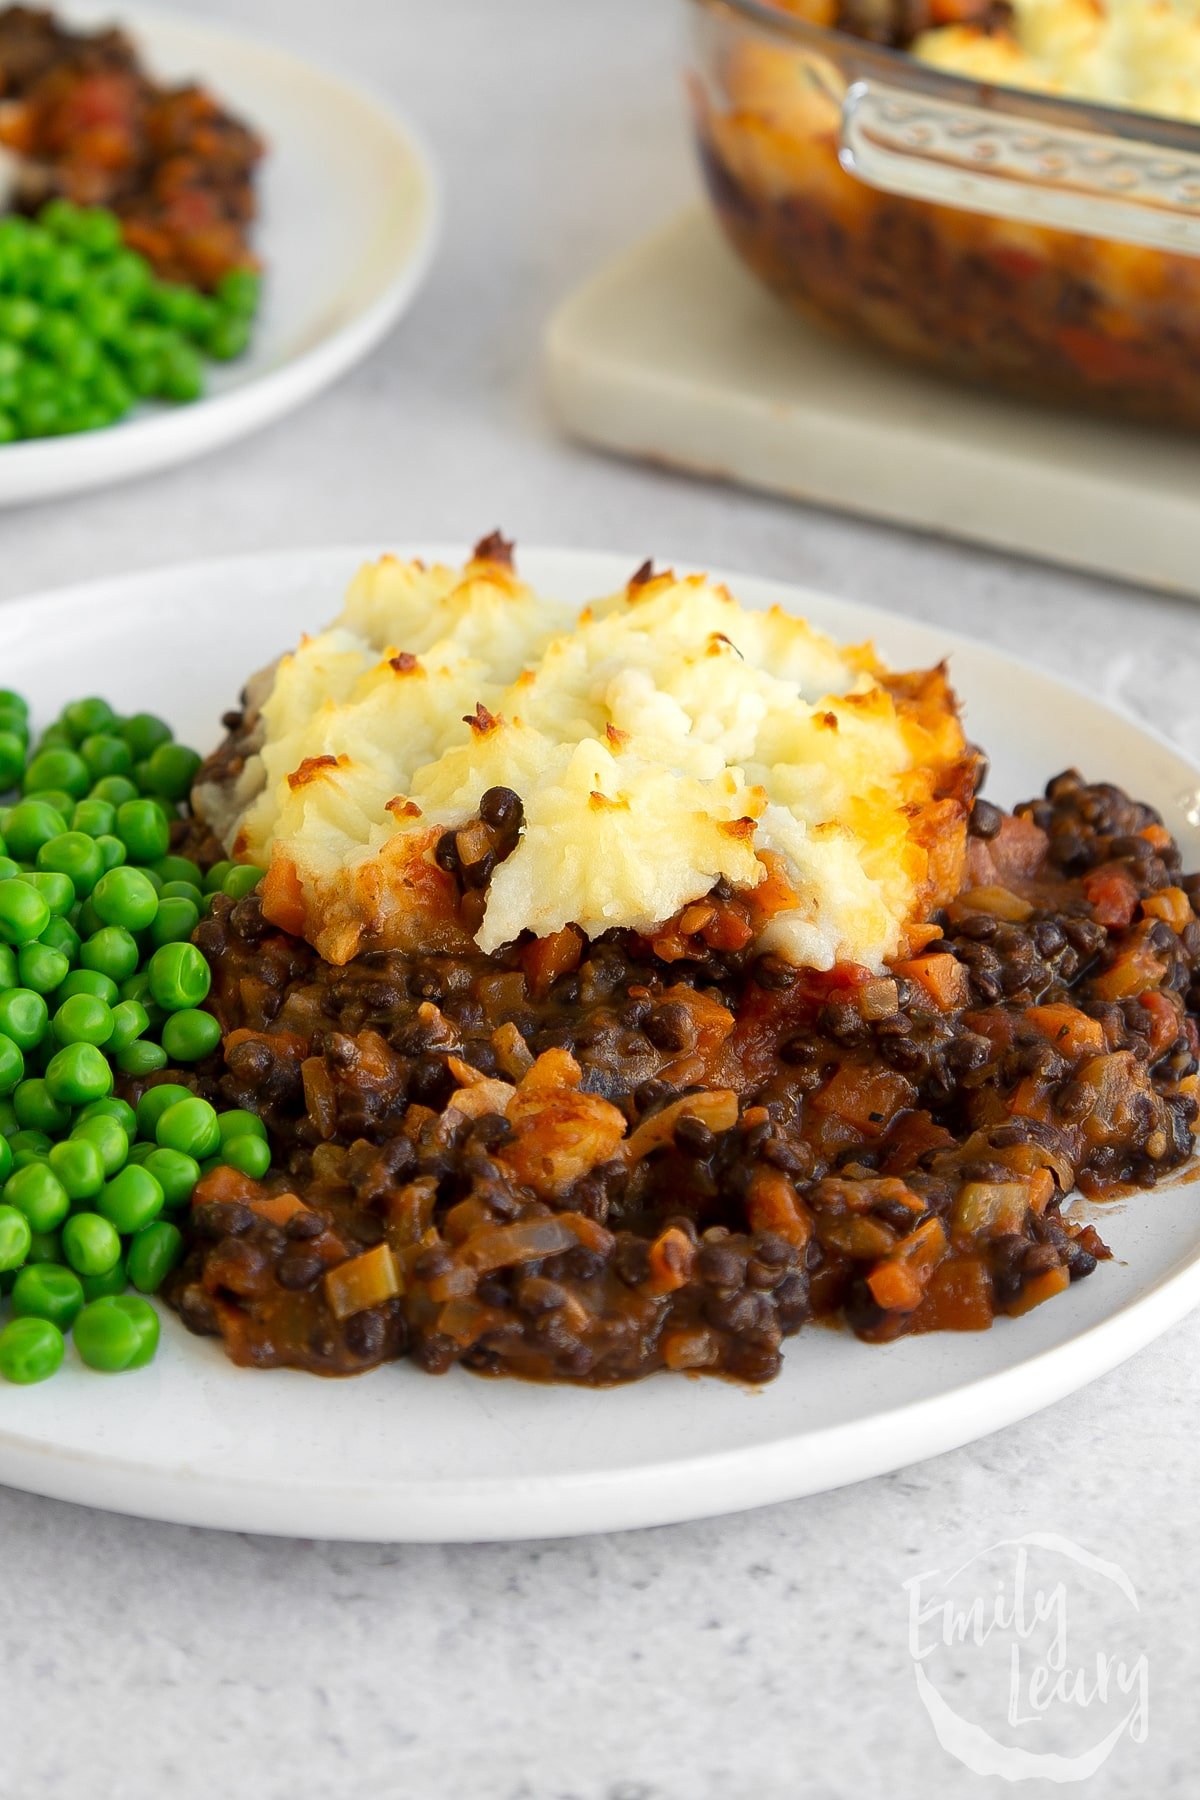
(580, 1161)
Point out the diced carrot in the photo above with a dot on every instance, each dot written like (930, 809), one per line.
(1068, 1029)
(1136, 971)
(1171, 904)
(1166, 1021)
(1112, 895)
(772, 1204)
(1031, 1101)
(999, 901)
(865, 1097)
(1158, 835)
(224, 1183)
(366, 1280)
(941, 976)
(672, 1255)
(546, 958)
(277, 1208)
(283, 896)
(1041, 1287)
(895, 1287)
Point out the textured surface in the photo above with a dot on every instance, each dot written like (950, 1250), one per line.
(759, 1656)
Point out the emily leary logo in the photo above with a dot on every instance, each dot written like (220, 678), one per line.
(1026, 1659)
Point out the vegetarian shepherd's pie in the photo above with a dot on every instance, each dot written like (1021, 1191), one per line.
(627, 987)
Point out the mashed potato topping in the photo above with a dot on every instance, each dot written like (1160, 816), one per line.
(661, 741)
(1137, 53)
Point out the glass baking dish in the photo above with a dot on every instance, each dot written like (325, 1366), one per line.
(1048, 246)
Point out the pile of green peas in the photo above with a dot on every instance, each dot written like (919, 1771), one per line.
(87, 330)
(99, 980)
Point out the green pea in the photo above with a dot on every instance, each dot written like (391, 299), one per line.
(242, 880)
(30, 1350)
(24, 915)
(175, 1173)
(174, 923)
(87, 919)
(57, 890)
(77, 1163)
(190, 1126)
(15, 1237)
(90, 1244)
(144, 732)
(142, 1057)
(8, 1119)
(184, 890)
(58, 767)
(74, 854)
(143, 829)
(178, 868)
(42, 968)
(248, 1154)
(8, 966)
(84, 981)
(130, 1200)
(214, 879)
(57, 798)
(181, 374)
(38, 1109)
(171, 771)
(97, 231)
(6, 1160)
(46, 1290)
(24, 1017)
(106, 754)
(112, 1281)
(129, 1021)
(12, 1066)
(36, 1191)
(117, 1333)
(111, 1108)
(237, 1122)
(227, 338)
(238, 291)
(114, 790)
(28, 1139)
(12, 759)
(9, 870)
(83, 1019)
(109, 1138)
(18, 318)
(189, 1035)
(59, 935)
(179, 976)
(154, 1251)
(78, 1073)
(45, 1246)
(84, 717)
(94, 816)
(111, 951)
(154, 1103)
(126, 897)
(112, 851)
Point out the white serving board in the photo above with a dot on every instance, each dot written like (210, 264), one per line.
(676, 354)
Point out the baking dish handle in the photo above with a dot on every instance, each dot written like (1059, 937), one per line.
(967, 156)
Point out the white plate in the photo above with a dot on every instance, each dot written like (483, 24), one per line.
(401, 1455)
(346, 231)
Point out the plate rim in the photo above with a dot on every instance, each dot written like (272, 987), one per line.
(44, 468)
(686, 1487)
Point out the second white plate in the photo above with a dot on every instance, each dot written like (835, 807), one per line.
(400, 1455)
(346, 230)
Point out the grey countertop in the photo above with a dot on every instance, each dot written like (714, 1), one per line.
(763, 1655)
